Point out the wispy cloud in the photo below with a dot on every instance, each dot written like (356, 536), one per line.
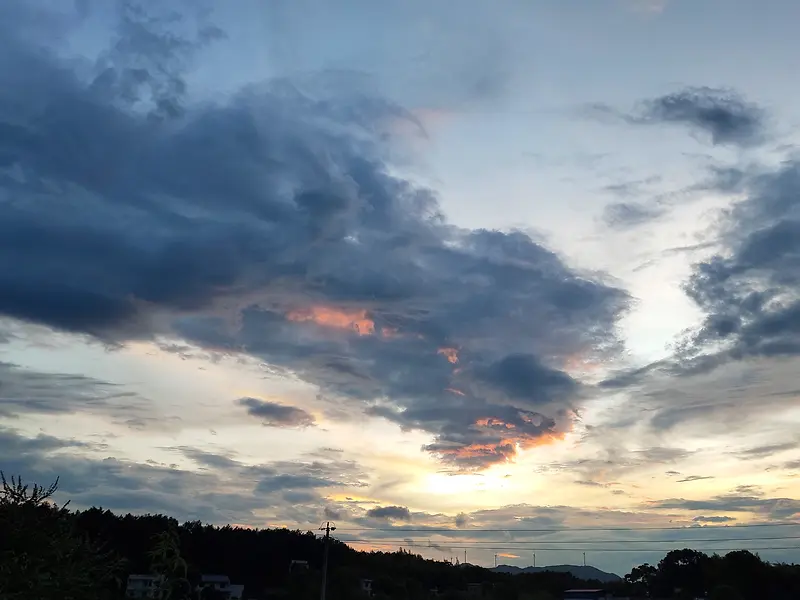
(692, 478)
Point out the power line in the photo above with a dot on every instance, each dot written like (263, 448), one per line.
(624, 541)
(575, 549)
(568, 529)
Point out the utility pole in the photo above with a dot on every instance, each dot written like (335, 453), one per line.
(327, 529)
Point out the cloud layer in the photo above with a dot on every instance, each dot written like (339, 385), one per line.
(271, 224)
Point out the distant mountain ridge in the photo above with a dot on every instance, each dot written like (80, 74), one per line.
(586, 573)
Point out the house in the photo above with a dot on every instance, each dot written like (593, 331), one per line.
(366, 587)
(596, 594)
(475, 589)
(142, 586)
(222, 584)
(298, 565)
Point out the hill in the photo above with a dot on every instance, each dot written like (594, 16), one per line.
(587, 573)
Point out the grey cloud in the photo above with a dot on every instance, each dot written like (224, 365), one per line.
(766, 451)
(269, 224)
(620, 215)
(332, 513)
(716, 519)
(27, 391)
(713, 395)
(627, 213)
(428, 56)
(394, 513)
(627, 189)
(277, 415)
(774, 508)
(224, 492)
(722, 114)
(590, 483)
(300, 476)
(613, 461)
(210, 459)
(691, 478)
(16, 445)
(300, 497)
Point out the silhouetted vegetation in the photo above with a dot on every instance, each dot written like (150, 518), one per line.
(48, 552)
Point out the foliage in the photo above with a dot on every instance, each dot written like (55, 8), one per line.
(43, 555)
(168, 564)
(739, 575)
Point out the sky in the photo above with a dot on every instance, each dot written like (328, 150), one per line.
(501, 278)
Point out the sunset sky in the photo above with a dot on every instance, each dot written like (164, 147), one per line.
(505, 276)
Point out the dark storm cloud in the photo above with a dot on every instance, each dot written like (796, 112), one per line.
(721, 114)
(394, 513)
(749, 292)
(277, 415)
(269, 224)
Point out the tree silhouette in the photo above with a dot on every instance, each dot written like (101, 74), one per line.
(170, 566)
(42, 555)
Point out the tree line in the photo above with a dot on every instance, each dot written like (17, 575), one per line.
(48, 552)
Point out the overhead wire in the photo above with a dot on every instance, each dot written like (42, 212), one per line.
(402, 529)
(575, 549)
(670, 541)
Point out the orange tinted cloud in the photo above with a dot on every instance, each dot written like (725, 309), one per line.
(581, 364)
(455, 391)
(492, 422)
(335, 318)
(451, 354)
(507, 440)
(504, 555)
